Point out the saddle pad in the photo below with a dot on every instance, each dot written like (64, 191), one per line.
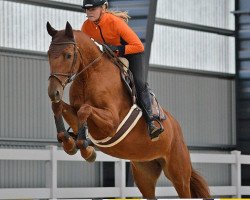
(125, 63)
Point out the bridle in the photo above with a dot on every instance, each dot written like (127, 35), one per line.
(72, 76)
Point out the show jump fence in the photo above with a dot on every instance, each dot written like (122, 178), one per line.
(52, 155)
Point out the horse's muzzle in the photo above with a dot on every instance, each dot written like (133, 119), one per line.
(55, 96)
(55, 90)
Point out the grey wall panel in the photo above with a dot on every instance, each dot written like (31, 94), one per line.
(181, 48)
(77, 2)
(214, 13)
(79, 174)
(21, 32)
(22, 174)
(24, 104)
(202, 105)
(31, 174)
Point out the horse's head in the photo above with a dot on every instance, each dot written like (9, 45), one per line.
(63, 60)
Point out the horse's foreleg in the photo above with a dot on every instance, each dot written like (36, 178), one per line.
(103, 119)
(82, 143)
(62, 109)
(70, 116)
(68, 143)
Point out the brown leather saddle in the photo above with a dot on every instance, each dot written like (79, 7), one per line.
(128, 80)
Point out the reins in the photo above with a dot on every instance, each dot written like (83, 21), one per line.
(72, 76)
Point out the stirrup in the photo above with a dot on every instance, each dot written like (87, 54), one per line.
(154, 136)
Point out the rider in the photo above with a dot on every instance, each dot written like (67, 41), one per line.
(110, 27)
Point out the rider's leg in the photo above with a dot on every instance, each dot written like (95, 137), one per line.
(136, 66)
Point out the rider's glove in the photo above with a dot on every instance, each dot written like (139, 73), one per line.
(118, 50)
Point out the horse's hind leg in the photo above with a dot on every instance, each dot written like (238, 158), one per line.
(145, 175)
(187, 182)
(177, 168)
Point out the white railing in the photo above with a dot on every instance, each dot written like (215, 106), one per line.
(52, 155)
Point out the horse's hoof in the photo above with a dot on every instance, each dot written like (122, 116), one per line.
(69, 146)
(88, 154)
(92, 157)
(73, 151)
(60, 137)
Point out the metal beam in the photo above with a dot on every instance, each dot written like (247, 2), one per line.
(150, 33)
(195, 27)
(241, 12)
(43, 143)
(51, 4)
(151, 67)
(180, 70)
(23, 52)
(61, 6)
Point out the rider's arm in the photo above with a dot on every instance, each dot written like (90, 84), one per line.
(134, 44)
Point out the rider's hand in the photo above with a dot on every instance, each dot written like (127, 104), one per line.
(118, 50)
(113, 48)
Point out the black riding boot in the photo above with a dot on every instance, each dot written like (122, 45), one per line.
(145, 102)
(137, 67)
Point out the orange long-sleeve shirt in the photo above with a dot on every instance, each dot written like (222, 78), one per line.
(115, 32)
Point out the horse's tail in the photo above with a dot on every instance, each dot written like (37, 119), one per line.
(199, 187)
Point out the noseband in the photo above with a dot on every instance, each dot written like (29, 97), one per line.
(72, 76)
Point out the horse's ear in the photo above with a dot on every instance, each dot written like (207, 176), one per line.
(69, 30)
(51, 31)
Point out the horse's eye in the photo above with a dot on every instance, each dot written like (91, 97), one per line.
(68, 56)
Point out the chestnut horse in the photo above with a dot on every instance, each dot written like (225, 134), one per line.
(98, 96)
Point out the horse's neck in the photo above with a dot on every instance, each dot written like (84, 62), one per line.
(103, 76)
(89, 53)
(92, 58)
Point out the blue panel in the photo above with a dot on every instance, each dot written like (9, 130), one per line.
(244, 5)
(244, 55)
(138, 10)
(244, 64)
(244, 34)
(243, 81)
(243, 84)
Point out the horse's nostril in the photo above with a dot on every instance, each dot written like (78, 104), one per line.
(54, 95)
(57, 93)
